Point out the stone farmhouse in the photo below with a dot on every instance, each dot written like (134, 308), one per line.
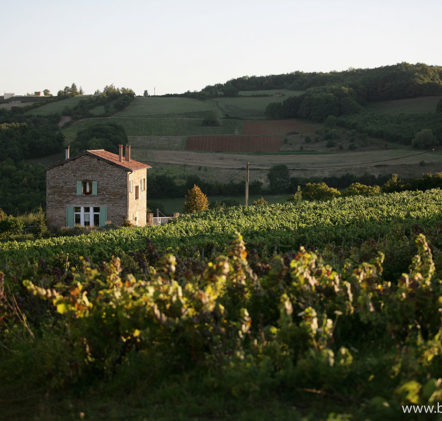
(96, 188)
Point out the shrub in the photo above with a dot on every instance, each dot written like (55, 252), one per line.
(319, 191)
(297, 197)
(392, 185)
(211, 120)
(260, 202)
(279, 178)
(11, 225)
(195, 200)
(424, 139)
(356, 189)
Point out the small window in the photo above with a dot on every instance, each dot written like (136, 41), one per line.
(137, 192)
(87, 187)
(143, 184)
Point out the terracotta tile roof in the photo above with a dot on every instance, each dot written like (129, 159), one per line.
(115, 159)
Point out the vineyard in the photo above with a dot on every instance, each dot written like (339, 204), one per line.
(225, 143)
(318, 311)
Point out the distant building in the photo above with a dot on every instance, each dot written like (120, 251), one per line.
(96, 188)
(8, 95)
(38, 93)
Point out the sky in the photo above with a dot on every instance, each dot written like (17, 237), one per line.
(171, 46)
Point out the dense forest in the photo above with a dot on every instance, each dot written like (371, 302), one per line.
(25, 136)
(401, 80)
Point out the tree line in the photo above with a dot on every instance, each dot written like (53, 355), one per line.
(402, 80)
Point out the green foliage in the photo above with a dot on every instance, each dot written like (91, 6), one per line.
(243, 325)
(425, 139)
(317, 104)
(260, 202)
(400, 128)
(211, 120)
(11, 225)
(69, 91)
(348, 221)
(392, 185)
(297, 197)
(22, 187)
(401, 80)
(101, 136)
(319, 191)
(279, 178)
(195, 200)
(439, 106)
(24, 137)
(23, 227)
(358, 189)
(111, 100)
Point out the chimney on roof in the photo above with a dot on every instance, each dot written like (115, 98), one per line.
(67, 152)
(127, 152)
(120, 152)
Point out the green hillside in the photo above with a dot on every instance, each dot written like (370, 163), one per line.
(424, 104)
(58, 106)
(166, 106)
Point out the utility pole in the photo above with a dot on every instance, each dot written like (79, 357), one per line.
(247, 183)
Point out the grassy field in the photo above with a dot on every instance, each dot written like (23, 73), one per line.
(423, 104)
(245, 107)
(151, 126)
(230, 166)
(57, 106)
(166, 107)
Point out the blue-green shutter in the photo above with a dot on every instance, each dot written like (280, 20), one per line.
(69, 216)
(79, 188)
(103, 215)
(94, 188)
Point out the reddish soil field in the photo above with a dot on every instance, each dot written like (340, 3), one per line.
(232, 143)
(277, 127)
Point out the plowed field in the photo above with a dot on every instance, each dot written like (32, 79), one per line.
(277, 127)
(226, 143)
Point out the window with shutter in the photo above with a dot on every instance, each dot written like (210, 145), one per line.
(69, 216)
(103, 215)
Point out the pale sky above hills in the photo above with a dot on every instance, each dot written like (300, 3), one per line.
(175, 45)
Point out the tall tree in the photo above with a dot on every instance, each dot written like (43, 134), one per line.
(195, 200)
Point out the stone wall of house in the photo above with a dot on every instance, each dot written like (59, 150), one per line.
(61, 189)
(137, 207)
